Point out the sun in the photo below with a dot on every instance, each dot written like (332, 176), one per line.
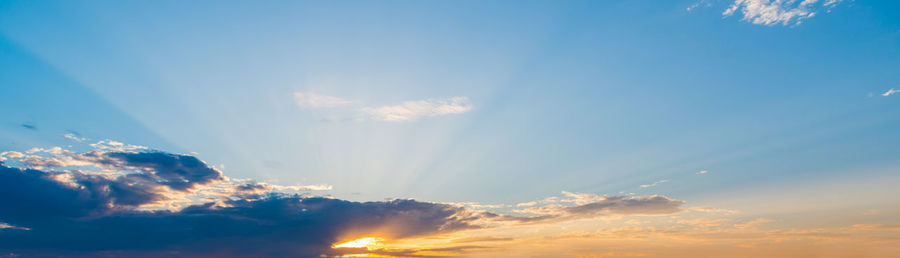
(370, 243)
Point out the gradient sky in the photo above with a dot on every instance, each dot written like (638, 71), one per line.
(780, 113)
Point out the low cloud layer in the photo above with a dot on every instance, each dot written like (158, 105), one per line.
(405, 111)
(126, 200)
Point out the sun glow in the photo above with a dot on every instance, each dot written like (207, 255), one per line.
(370, 243)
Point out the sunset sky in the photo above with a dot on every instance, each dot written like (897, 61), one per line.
(685, 128)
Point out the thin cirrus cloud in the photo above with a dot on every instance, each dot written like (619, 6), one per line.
(414, 110)
(779, 12)
(74, 137)
(312, 100)
(655, 183)
(125, 200)
(404, 111)
(587, 206)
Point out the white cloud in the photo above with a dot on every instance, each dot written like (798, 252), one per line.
(890, 92)
(110, 145)
(8, 226)
(312, 100)
(713, 210)
(404, 111)
(300, 188)
(655, 183)
(72, 136)
(702, 172)
(704, 3)
(581, 198)
(774, 12)
(475, 205)
(413, 110)
(11, 154)
(527, 204)
(69, 168)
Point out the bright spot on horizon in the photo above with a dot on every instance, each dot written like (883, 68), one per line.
(370, 243)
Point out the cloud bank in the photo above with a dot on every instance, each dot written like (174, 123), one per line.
(116, 210)
(126, 200)
(404, 111)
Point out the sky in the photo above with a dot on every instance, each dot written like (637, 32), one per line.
(686, 128)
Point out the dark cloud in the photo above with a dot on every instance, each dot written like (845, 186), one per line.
(77, 213)
(178, 172)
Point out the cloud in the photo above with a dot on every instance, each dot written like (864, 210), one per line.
(527, 204)
(343, 109)
(890, 92)
(73, 212)
(110, 145)
(588, 206)
(414, 110)
(695, 5)
(126, 200)
(312, 100)
(702, 172)
(655, 183)
(72, 136)
(11, 155)
(478, 206)
(774, 12)
(8, 226)
(713, 210)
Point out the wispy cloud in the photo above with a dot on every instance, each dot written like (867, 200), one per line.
(72, 136)
(404, 111)
(575, 206)
(890, 92)
(655, 183)
(312, 100)
(8, 226)
(414, 110)
(775, 12)
(713, 210)
(695, 5)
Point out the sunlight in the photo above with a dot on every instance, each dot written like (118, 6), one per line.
(370, 243)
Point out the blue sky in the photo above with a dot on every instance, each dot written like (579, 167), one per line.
(492, 102)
